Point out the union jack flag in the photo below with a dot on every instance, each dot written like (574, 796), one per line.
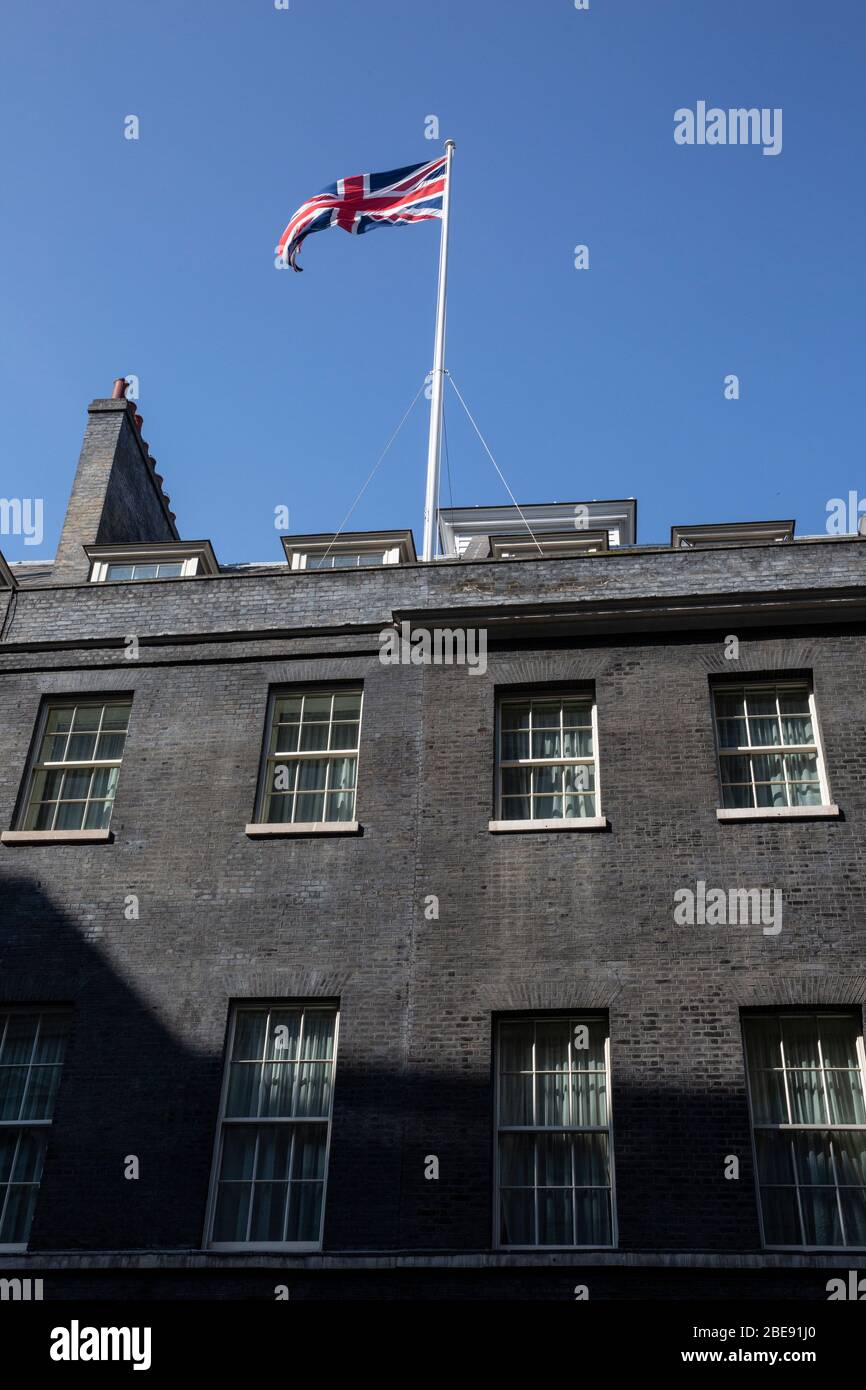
(364, 201)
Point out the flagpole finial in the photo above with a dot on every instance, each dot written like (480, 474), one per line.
(452, 144)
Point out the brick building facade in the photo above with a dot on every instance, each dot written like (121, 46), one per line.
(418, 916)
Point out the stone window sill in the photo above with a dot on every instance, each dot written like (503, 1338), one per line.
(831, 812)
(275, 830)
(502, 827)
(56, 837)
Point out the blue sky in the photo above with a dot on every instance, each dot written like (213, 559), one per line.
(260, 388)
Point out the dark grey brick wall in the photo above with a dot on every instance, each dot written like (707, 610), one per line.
(540, 921)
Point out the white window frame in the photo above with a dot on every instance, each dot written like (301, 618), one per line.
(35, 765)
(595, 822)
(301, 559)
(242, 1006)
(290, 759)
(856, 1016)
(20, 1248)
(573, 1019)
(755, 811)
(100, 568)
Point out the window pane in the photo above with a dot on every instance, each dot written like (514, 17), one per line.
(145, 572)
(763, 1042)
(807, 1098)
(342, 773)
(347, 705)
(577, 743)
(18, 1216)
(515, 716)
(517, 1225)
(821, 1221)
(344, 735)
(115, 718)
(797, 729)
(309, 808)
(239, 1152)
(515, 1046)
(775, 1157)
(243, 1090)
(515, 745)
(317, 707)
(314, 1089)
(781, 1216)
(249, 1036)
(729, 703)
(20, 1038)
(551, 1045)
(29, 1156)
(12, 1083)
(555, 1220)
(87, 717)
(274, 1152)
(305, 1211)
(41, 1091)
(854, 1215)
(849, 1147)
(284, 1031)
(800, 1040)
(232, 1211)
(591, 1166)
(318, 1042)
(812, 1158)
(312, 774)
(340, 806)
(553, 1099)
(278, 1086)
(554, 1160)
(589, 1098)
(515, 781)
(314, 737)
(838, 1041)
(732, 733)
(82, 748)
(51, 1042)
(515, 1099)
(845, 1097)
(763, 732)
(517, 1160)
(547, 744)
(119, 572)
(592, 1216)
(288, 708)
(546, 716)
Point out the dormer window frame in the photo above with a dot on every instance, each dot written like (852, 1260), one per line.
(553, 544)
(196, 558)
(383, 547)
(711, 536)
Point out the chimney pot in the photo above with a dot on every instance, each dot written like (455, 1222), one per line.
(119, 392)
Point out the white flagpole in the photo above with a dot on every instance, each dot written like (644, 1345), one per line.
(434, 446)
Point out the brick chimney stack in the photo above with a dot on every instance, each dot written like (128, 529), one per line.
(117, 494)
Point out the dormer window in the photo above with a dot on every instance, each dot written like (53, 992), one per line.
(349, 551)
(526, 547)
(730, 533)
(119, 564)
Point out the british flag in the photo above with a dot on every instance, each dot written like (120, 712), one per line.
(363, 201)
